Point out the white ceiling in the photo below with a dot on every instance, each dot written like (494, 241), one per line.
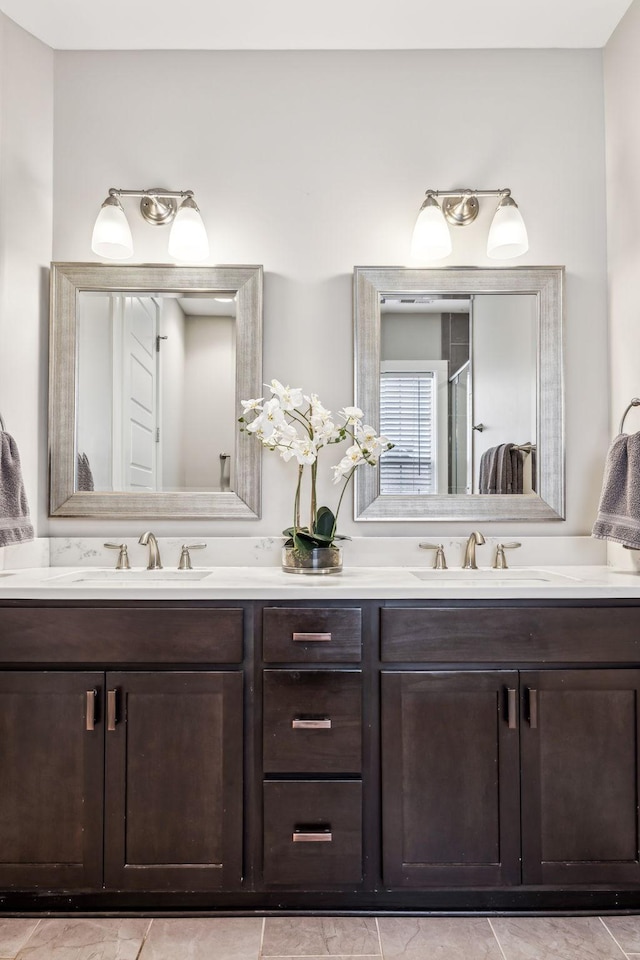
(302, 25)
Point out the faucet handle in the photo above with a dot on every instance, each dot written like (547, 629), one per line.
(500, 562)
(439, 561)
(122, 563)
(185, 559)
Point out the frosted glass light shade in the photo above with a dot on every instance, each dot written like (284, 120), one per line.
(112, 233)
(188, 238)
(431, 238)
(507, 234)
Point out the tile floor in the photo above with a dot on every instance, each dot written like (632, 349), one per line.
(317, 938)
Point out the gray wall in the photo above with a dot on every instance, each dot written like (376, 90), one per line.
(293, 167)
(313, 162)
(26, 197)
(622, 89)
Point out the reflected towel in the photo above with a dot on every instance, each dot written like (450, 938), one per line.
(501, 470)
(15, 525)
(84, 476)
(618, 515)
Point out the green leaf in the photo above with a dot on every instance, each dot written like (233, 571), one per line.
(325, 522)
(304, 541)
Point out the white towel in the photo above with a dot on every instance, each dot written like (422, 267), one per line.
(618, 516)
(15, 525)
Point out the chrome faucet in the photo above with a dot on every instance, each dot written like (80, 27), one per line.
(148, 539)
(470, 551)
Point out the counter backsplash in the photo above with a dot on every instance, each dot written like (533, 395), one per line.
(265, 551)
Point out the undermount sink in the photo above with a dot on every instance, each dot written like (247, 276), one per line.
(131, 577)
(496, 578)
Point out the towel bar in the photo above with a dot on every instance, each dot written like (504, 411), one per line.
(634, 403)
(2, 426)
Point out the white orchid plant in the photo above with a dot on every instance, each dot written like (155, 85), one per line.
(298, 427)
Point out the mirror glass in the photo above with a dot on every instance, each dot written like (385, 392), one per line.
(148, 365)
(156, 392)
(463, 370)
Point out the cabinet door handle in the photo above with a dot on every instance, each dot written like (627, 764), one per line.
(91, 709)
(112, 709)
(311, 637)
(512, 712)
(308, 836)
(533, 708)
(300, 724)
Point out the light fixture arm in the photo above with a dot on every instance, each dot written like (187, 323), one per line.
(460, 207)
(157, 206)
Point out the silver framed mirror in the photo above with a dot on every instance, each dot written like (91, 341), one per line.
(472, 347)
(147, 367)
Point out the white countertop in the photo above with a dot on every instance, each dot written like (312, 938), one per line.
(354, 583)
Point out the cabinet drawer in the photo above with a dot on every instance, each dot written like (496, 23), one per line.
(523, 634)
(122, 635)
(312, 721)
(312, 635)
(313, 832)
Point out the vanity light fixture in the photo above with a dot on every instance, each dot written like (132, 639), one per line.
(431, 235)
(188, 238)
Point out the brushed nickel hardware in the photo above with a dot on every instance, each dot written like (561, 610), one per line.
(478, 426)
(185, 559)
(311, 637)
(112, 709)
(307, 836)
(91, 709)
(439, 561)
(122, 563)
(634, 403)
(533, 708)
(512, 703)
(2, 426)
(500, 563)
(148, 539)
(469, 562)
(159, 337)
(300, 724)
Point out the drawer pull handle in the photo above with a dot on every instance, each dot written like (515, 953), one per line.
(533, 708)
(311, 637)
(512, 704)
(300, 724)
(306, 836)
(112, 709)
(91, 709)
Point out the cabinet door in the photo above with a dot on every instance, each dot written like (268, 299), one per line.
(580, 776)
(174, 781)
(51, 780)
(450, 779)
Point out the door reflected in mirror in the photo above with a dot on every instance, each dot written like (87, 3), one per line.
(458, 394)
(156, 392)
(147, 364)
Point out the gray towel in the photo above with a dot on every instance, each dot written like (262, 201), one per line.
(618, 515)
(501, 470)
(15, 525)
(84, 476)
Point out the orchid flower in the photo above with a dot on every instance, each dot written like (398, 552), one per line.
(297, 426)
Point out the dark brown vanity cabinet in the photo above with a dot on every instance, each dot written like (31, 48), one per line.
(376, 756)
(51, 780)
(173, 800)
(451, 795)
(580, 776)
(504, 777)
(312, 748)
(122, 779)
